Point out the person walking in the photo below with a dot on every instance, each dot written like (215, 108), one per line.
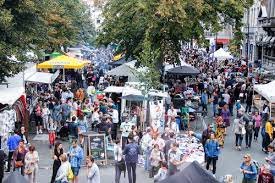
(258, 122)
(93, 175)
(52, 132)
(239, 130)
(212, 152)
(3, 158)
(57, 152)
(156, 157)
(131, 152)
(145, 146)
(249, 126)
(19, 158)
(175, 159)
(248, 169)
(76, 156)
(270, 159)
(31, 164)
(118, 160)
(125, 128)
(23, 136)
(63, 171)
(12, 143)
(268, 134)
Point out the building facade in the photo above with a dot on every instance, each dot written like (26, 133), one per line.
(266, 40)
(96, 10)
(251, 31)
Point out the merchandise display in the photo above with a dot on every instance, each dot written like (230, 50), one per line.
(191, 148)
(7, 123)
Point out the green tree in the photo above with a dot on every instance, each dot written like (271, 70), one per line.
(167, 22)
(35, 25)
(148, 58)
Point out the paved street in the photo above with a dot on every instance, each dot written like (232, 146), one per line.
(228, 163)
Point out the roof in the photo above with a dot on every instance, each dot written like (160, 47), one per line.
(43, 77)
(184, 71)
(61, 62)
(191, 173)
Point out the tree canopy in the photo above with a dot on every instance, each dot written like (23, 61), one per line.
(35, 25)
(166, 23)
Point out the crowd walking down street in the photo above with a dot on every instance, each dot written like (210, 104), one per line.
(68, 111)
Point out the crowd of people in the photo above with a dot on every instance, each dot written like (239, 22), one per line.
(69, 110)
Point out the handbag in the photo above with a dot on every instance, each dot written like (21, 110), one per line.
(18, 164)
(28, 171)
(70, 174)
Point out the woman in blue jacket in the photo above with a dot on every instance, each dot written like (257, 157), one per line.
(249, 170)
(212, 151)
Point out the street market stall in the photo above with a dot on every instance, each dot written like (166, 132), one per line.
(62, 62)
(129, 70)
(266, 91)
(221, 54)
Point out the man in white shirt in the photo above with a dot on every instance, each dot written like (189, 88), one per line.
(115, 119)
(226, 97)
(91, 92)
(125, 128)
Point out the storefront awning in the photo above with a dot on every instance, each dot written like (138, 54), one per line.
(222, 41)
(43, 77)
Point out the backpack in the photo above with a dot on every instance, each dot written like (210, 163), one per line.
(256, 164)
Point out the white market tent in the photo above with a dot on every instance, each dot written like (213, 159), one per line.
(42, 77)
(266, 90)
(114, 89)
(15, 86)
(220, 54)
(127, 69)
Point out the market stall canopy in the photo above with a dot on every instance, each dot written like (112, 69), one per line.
(191, 173)
(43, 77)
(15, 177)
(132, 97)
(114, 89)
(220, 54)
(266, 90)
(62, 62)
(127, 69)
(15, 85)
(184, 71)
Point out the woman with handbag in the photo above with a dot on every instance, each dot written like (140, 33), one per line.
(19, 157)
(31, 164)
(64, 171)
(58, 151)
